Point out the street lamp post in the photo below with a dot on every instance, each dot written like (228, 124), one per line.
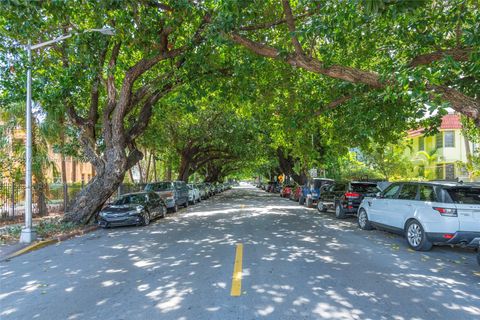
(28, 234)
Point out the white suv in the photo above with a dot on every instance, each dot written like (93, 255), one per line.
(426, 213)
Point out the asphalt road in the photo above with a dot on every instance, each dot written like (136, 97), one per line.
(297, 264)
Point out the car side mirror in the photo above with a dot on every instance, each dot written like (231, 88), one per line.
(379, 195)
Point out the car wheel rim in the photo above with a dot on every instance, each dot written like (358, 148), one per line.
(146, 219)
(337, 210)
(363, 219)
(414, 235)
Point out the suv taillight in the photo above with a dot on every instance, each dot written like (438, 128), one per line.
(352, 195)
(446, 212)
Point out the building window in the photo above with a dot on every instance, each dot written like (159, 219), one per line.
(450, 171)
(439, 171)
(421, 144)
(421, 171)
(439, 140)
(449, 139)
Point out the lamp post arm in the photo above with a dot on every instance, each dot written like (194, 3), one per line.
(46, 43)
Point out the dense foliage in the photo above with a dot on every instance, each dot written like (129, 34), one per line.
(232, 87)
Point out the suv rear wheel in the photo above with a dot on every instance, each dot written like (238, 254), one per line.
(339, 212)
(416, 236)
(363, 221)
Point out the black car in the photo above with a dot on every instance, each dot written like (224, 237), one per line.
(132, 209)
(345, 197)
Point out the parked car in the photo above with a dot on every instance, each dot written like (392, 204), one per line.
(193, 194)
(132, 209)
(210, 188)
(174, 193)
(311, 191)
(426, 213)
(286, 191)
(345, 197)
(295, 194)
(202, 188)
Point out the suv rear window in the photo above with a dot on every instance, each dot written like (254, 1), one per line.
(427, 193)
(465, 195)
(364, 187)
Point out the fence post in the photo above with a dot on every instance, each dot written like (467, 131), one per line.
(12, 194)
(65, 196)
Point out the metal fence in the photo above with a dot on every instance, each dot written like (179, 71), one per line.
(46, 199)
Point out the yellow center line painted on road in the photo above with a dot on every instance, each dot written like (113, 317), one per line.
(237, 272)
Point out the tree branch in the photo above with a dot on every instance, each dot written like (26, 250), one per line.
(333, 104)
(291, 27)
(457, 54)
(270, 24)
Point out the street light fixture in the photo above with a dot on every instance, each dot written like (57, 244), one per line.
(28, 234)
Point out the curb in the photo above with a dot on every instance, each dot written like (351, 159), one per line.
(44, 243)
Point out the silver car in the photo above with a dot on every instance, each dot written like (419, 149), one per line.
(426, 213)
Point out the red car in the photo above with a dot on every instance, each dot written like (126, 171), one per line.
(286, 191)
(295, 194)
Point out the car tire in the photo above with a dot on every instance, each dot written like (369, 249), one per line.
(146, 218)
(309, 203)
(339, 211)
(301, 201)
(416, 236)
(321, 207)
(175, 208)
(164, 211)
(186, 204)
(362, 219)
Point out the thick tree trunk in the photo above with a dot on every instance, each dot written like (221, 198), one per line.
(286, 165)
(92, 198)
(184, 170)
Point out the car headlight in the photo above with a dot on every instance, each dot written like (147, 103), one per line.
(138, 209)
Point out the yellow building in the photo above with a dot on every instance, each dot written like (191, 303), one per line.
(76, 171)
(441, 156)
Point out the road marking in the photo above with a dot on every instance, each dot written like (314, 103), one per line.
(237, 272)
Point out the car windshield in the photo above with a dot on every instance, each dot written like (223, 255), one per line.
(160, 186)
(465, 195)
(131, 199)
(365, 188)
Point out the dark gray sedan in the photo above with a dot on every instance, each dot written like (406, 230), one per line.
(132, 209)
